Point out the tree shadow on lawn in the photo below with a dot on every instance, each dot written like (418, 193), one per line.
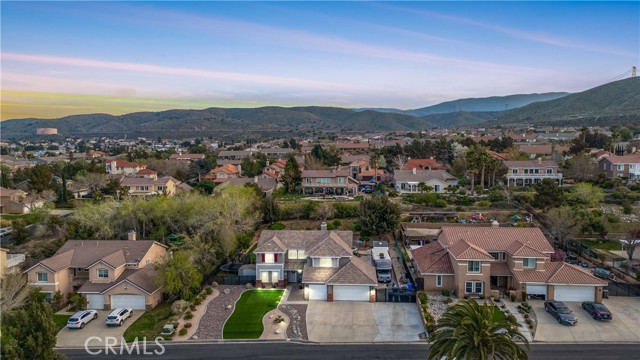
(246, 320)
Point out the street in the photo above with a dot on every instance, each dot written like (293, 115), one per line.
(264, 350)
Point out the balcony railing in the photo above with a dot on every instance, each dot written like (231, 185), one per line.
(14, 260)
(545, 176)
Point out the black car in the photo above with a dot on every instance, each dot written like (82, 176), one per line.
(597, 311)
(561, 312)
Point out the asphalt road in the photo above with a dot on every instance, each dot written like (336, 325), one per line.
(280, 351)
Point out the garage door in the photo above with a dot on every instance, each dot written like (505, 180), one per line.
(574, 293)
(95, 301)
(537, 290)
(135, 302)
(317, 292)
(351, 293)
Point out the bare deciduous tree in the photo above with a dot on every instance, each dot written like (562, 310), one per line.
(49, 196)
(631, 243)
(562, 224)
(399, 161)
(14, 291)
(324, 211)
(93, 181)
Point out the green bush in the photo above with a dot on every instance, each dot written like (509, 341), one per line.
(208, 290)
(277, 226)
(423, 298)
(187, 325)
(183, 332)
(197, 301)
(358, 198)
(336, 223)
(627, 209)
(512, 297)
(484, 203)
(188, 315)
(446, 293)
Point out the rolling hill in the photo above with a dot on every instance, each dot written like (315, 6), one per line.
(186, 123)
(615, 102)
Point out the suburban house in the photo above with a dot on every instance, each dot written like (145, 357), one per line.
(527, 172)
(362, 170)
(275, 170)
(320, 260)
(13, 202)
(475, 261)
(232, 157)
(150, 185)
(223, 173)
(121, 167)
(187, 157)
(109, 273)
(9, 263)
(543, 150)
(415, 235)
(620, 166)
(423, 164)
(277, 153)
(328, 182)
(407, 181)
(267, 185)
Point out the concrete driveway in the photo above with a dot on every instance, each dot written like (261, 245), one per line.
(77, 337)
(625, 326)
(350, 321)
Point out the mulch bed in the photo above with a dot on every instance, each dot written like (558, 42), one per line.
(298, 315)
(212, 322)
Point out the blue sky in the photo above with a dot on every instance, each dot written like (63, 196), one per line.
(62, 58)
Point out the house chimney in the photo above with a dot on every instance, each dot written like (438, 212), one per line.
(539, 160)
(323, 226)
(414, 171)
(495, 223)
(255, 179)
(131, 235)
(239, 170)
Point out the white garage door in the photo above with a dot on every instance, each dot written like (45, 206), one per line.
(317, 292)
(351, 293)
(537, 290)
(135, 302)
(574, 293)
(95, 301)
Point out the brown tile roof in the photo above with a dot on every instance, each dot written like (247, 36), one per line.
(88, 252)
(520, 249)
(423, 175)
(307, 239)
(465, 250)
(332, 245)
(114, 260)
(543, 149)
(558, 273)
(326, 173)
(499, 269)
(626, 159)
(142, 278)
(146, 172)
(495, 238)
(317, 275)
(60, 261)
(432, 258)
(355, 272)
(530, 163)
(226, 168)
(423, 164)
(186, 156)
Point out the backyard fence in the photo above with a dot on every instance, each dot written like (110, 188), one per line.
(233, 279)
(396, 295)
(623, 289)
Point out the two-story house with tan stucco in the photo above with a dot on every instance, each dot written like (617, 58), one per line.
(109, 273)
(485, 261)
(321, 260)
(328, 182)
(529, 172)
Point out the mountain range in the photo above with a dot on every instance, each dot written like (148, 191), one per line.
(609, 104)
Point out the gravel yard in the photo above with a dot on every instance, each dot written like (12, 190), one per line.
(298, 315)
(212, 322)
(437, 306)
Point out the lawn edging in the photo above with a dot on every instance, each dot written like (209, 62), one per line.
(248, 299)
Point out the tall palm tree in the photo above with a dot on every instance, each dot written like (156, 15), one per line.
(468, 330)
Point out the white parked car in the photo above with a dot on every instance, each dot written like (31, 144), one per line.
(118, 316)
(81, 318)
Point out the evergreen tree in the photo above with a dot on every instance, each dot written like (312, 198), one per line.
(292, 176)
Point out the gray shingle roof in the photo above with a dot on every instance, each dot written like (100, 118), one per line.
(312, 274)
(423, 176)
(355, 272)
(87, 252)
(326, 173)
(306, 239)
(143, 278)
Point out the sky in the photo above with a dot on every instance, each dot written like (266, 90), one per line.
(64, 58)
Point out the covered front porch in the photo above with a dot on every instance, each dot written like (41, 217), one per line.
(501, 278)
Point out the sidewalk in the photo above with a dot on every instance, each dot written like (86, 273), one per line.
(524, 329)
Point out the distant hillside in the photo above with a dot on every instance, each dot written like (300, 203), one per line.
(615, 102)
(462, 118)
(493, 103)
(214, 121)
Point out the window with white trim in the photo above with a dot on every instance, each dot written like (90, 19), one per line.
(103, 273)
(43, 277)
(620, 167)
(473, 287)
(529, 263)
(549, 170)
(325, 262)
(439, 280)
(473, 266)
(296, 254)
(496, 255)
(269, 259)
(514, 171)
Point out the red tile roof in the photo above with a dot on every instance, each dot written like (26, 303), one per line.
(432, 258)
(500, 269)
(123, 163)
(495, 238)
(423, 164)
(464, 250)
(147, 172)
(226, 168)
(558, 273)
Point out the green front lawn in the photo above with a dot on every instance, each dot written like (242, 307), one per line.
(60, 321)
(246, 320)
(498, 315)
(150, 324)
(605, 245)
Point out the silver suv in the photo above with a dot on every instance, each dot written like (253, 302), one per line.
(118, 316)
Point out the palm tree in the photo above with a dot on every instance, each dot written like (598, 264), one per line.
(469, 330)
(374, 162)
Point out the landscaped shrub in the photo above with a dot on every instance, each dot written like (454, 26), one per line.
(423, 298)
(526, 316)
(345, 210)
(513, 297)
(197, 301)
(192, 307)
(187, 325)
(179, 306)
(278, 226)
(336, 223)
(512, 318)
(446, 292)
(188, 315)
(183, 332)
(484, 203)
(208, 290)
(527, 320)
